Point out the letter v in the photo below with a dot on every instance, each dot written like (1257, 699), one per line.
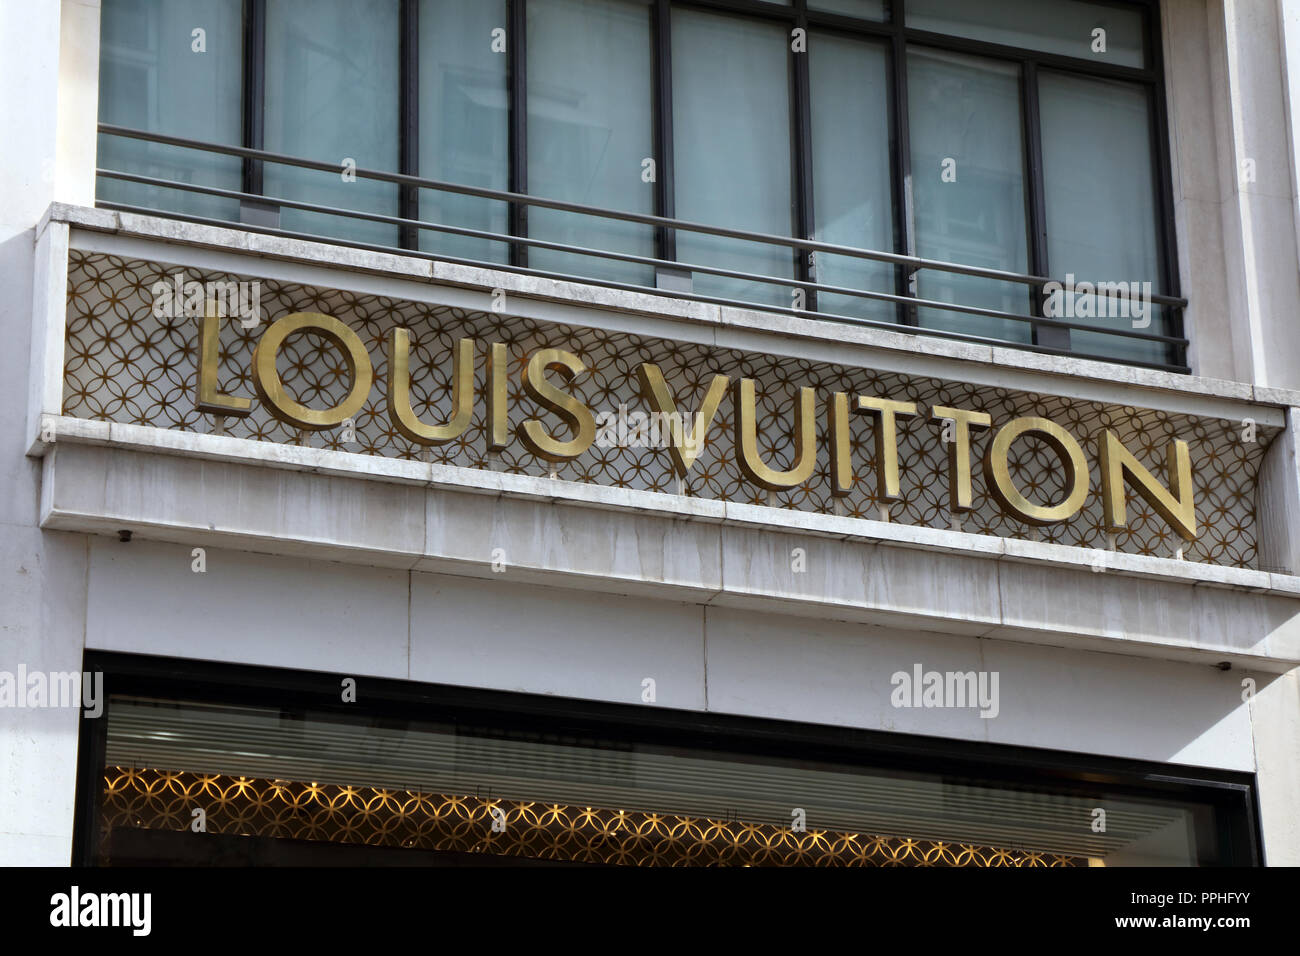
(655, 391)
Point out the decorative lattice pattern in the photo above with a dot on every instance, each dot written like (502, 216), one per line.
(165, 800)
(126, 365)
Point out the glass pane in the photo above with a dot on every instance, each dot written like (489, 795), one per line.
(331, 95)
(591, 131)
(1067, 27)
(1101, 207)
(731, 133)
(866, 9)
(151, 77)
(464, 124)
(851, 186)
(968, 187)
(430, 792)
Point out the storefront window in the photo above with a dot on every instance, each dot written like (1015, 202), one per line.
(476, 783)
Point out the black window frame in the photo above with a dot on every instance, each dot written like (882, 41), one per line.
(1232, 795)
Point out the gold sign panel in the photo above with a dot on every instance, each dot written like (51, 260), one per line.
(377, 376)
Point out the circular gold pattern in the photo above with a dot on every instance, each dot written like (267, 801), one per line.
(125, 365)
(245, 806)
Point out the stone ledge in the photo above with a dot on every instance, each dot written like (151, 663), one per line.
(452, 478)
(211, 501)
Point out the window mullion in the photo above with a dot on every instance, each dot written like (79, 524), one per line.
(1051, 337)
(802, 165)
(254, 102)
(409, 120)
(1168, 244)
(665, 204)
(515, 53)
(905, 278)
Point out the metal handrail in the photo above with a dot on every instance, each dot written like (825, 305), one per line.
(805, 245)
(786, 282)
(402, 179)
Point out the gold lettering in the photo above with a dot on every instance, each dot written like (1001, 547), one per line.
(266, 379)
(400, 412)
(959, 485)
(683, 449)
(746, 435)
(1118, 465)
(884, 410)
(837, 426)
(575, 414)
(210, 398)
(997, 471)
(497, 397)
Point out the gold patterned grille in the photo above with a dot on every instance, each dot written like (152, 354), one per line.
(249, 806)
(126, 365)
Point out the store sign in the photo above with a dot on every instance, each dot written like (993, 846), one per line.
(554, 424)
(716, 414)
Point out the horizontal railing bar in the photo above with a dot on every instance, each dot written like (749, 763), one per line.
(402, 179)
(651, 290)
(890, 297)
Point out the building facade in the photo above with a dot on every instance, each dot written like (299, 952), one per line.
(649, 432)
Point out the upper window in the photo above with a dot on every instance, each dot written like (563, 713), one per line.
(930, 164)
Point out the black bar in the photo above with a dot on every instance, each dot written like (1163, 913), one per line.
(1161, 149)
(665, 199)
(589, 251)
(516, 73)
(905, 276)
(92, 745)
(802, 168)
(1036, 205)
(254, 91)
(631, 287)
(1000, 275)
(409, 125)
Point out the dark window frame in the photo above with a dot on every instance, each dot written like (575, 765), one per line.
(1232, 795)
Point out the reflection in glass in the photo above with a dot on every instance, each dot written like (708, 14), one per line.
(731, 135)
(1101, 204)
(331, 95)
(1066, 27)
(590, 131)
(968, 187)
(464, 124)
(151, 78)
(851, 180)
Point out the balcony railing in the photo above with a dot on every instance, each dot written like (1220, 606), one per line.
(908, 266)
